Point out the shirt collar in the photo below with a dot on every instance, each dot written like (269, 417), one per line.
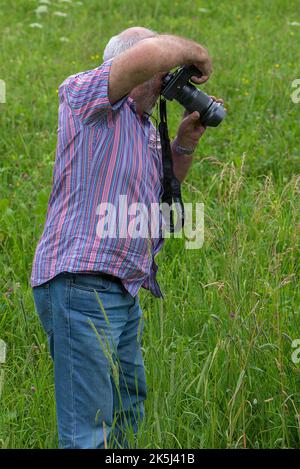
(132, 105)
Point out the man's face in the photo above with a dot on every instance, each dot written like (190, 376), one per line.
(148, 92)
(153, 87)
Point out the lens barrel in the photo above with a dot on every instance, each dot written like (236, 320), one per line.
(192, 99)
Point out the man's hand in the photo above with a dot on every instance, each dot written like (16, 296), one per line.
(205, 66)
(191, 130)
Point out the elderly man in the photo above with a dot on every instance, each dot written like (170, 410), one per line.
(86, 286)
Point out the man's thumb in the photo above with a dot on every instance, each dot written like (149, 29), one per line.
(196, 115)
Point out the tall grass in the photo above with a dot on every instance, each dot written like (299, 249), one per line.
(218, 349)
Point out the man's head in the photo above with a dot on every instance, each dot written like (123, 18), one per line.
(147, 93)
(127, 38)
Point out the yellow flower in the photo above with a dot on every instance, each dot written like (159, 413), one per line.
(245, 81)
(238, 17)
(277, 65)
(257, 17)
(246, 93)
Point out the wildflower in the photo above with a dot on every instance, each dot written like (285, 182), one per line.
(36, 25)
(64, 39)
(257, 18)
(79, 4)
(41, 10)
(294, 23)
(65, 1)
(245, 81)
(238, 17)
(277, 65)
(204, 10)
(45, 2)
(33, 389)
(254, 401)
(60, 13)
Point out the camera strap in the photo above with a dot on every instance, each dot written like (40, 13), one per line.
(171, 185)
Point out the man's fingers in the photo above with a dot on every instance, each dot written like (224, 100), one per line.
(199, 80)
(192, 118)
(218, 100)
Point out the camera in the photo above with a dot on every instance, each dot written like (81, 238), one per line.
(177, 86)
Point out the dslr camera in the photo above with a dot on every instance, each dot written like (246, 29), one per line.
(177, 86)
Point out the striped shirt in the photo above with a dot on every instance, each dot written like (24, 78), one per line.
(103, 151)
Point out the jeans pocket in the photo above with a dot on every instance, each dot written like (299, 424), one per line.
(90, 282)
(41, 295)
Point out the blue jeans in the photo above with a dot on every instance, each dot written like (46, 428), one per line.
(94, 328)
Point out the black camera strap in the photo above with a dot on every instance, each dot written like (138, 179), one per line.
(171, 185)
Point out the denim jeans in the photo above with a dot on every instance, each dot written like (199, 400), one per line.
(94, 328)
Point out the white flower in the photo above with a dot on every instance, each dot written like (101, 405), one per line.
(64, 39)
(294, 23)
(204, 10)
(79, 4)
(41, 10)
(45, 2)
(60, 13)
(36, 25)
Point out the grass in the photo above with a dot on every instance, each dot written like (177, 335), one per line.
(218, 350)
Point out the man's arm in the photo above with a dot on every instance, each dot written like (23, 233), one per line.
(189, 133)
(151, 56)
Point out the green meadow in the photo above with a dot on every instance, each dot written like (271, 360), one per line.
(218, 349)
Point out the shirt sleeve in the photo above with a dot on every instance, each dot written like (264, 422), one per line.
(87, 94)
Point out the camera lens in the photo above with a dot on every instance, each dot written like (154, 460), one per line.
(211, 113)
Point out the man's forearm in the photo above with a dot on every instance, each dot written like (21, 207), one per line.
(181, 163)
(173, 51)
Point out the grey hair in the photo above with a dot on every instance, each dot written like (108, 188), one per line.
(118, 44)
